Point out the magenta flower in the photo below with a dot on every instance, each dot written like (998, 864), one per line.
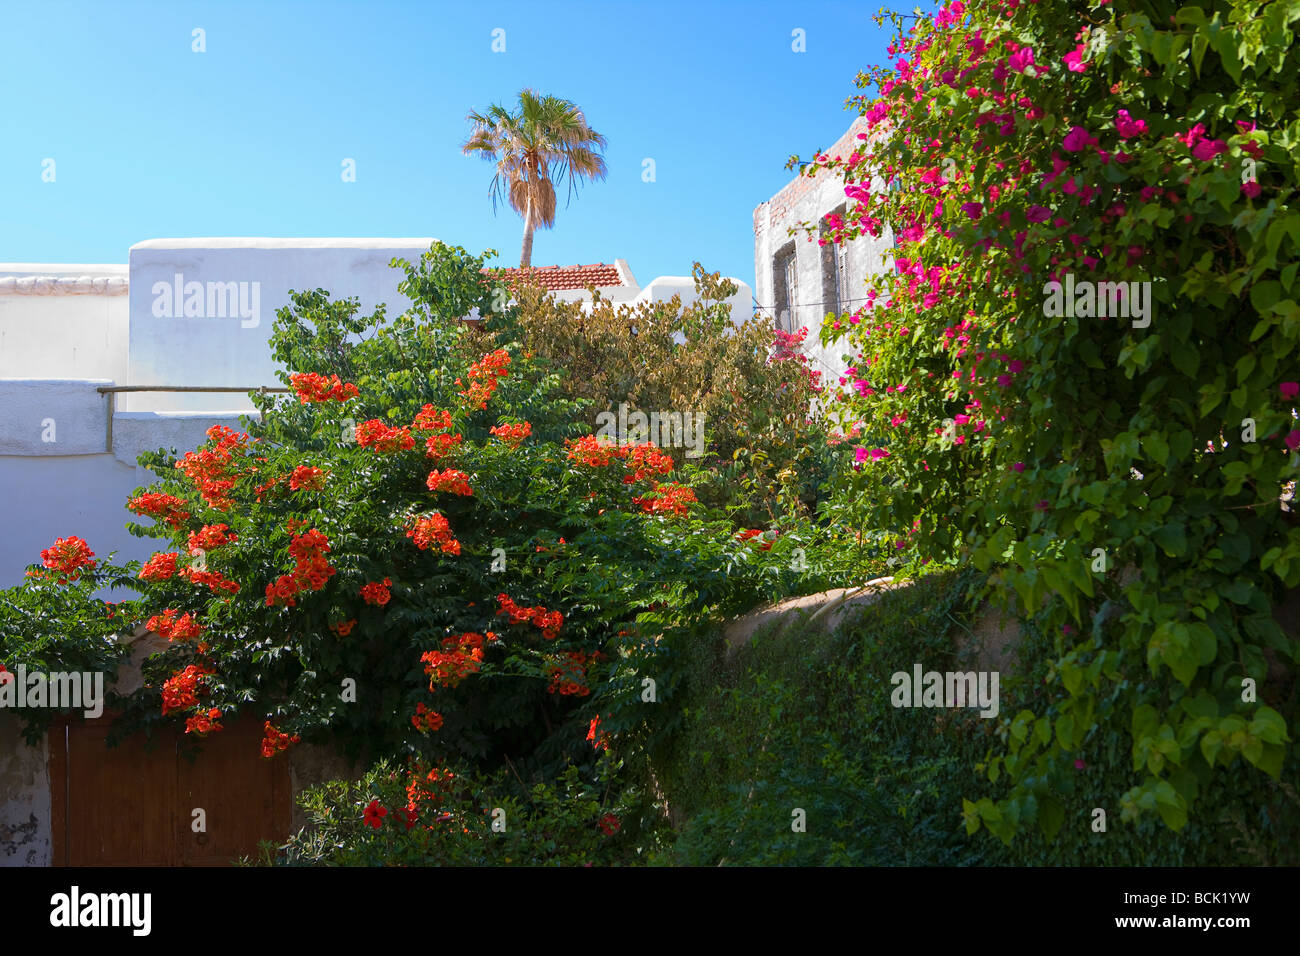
(1018, 467)
(1079, 765)
(1021, 60)
(1293, 441)
(1078, 139)
(1038, 213)
(1129, 127)
(1250, 189)
(1207, 149)
(1289, 389)
(879, 453)
(973, 209)
(1074, 60)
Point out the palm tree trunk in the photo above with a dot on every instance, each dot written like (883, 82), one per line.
(526, 255)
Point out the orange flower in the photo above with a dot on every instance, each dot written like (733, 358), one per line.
(377, 436)
(452, 481)
(512, 435)
(433, 530)
(312, 387)
(160, 567)
(377, 593)
(165, 508)
(68, 556)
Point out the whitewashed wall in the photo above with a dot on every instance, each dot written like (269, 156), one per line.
(207, 349)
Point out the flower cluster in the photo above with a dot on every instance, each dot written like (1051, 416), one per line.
(312, 569)
(274, 742)
(512, 435)
(376, 592)
(592, 452)
(764, 543)
(182, 689)
(425, 719)
(451, 481)
(307, 478)
(550, 622)
(568, 673)
(646, 461)
(210, 537)
(312, 387)
(432, 787)
(599, 739)
(69, 556)
(213, 579)
(160, 567)
(203, 724)
(667, 499)
(165, 508)
(377, 436)
(168, 625)
(433, 531)
(344, 628)
(483, 377)
(461, 656)
(209, 469)
(430, 419)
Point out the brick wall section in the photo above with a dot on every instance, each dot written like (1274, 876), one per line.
(777, 209)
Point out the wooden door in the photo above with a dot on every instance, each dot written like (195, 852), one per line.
(133, 804)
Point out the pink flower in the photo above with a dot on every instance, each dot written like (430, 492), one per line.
(1078, 139)
(1021, 60)
(1018, 467)
(1129, 127)
(1038, 213)
(860, 454)
(1074, 60)
(1250, 189)
(879, 453)
(1289, 389)
(1293, 440)
(1079, 765)
(897, 420)
(973, 209)
(1207, 149)
(961, 419)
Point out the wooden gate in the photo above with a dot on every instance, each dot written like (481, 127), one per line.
(132, 806)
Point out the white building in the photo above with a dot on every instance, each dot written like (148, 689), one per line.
(800, 283)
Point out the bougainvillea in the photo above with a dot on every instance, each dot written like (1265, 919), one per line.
(1070, 377)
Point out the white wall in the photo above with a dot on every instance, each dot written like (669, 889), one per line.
(63, 321)
(233, 351)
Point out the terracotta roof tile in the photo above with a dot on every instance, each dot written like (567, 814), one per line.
(556, 278)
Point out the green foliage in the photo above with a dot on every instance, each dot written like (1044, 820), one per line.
(1118, 481)
(799, 718)
(769, 456)
(569, 821)
(52, 625)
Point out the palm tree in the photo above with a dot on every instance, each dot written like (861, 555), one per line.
(546, 138)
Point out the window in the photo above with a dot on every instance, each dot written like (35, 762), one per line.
(786, 286)
(835, 277)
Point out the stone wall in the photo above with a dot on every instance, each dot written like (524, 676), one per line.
(24, 798)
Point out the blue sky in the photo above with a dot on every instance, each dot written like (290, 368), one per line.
(152, 140)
